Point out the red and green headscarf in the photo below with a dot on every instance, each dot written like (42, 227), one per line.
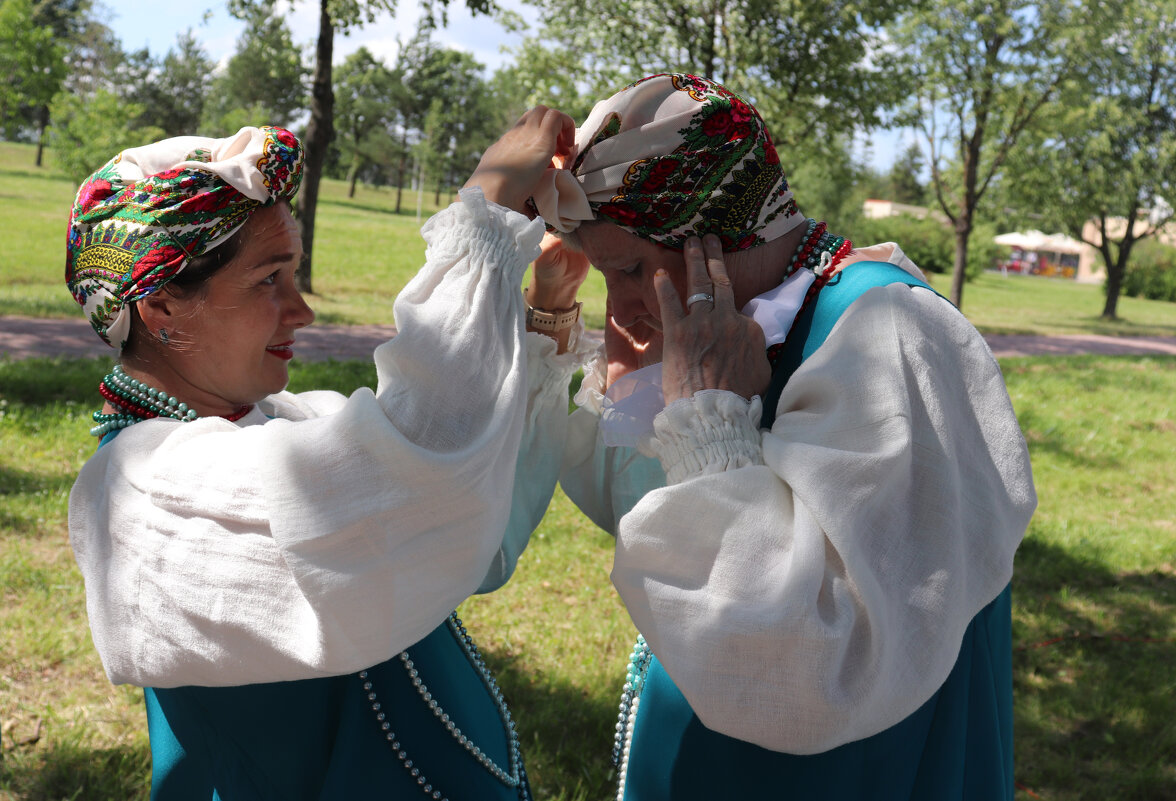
(670, 157)
(138, 221)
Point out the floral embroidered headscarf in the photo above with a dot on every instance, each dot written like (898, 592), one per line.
(138, 221)
(669, 157)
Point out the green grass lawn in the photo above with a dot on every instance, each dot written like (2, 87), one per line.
(364, 253)
(1094, 600)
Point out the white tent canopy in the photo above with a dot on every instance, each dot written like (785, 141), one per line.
(1040, 242)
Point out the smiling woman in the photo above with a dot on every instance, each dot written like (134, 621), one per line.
(279, 571)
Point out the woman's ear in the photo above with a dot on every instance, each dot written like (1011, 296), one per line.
(159, 311)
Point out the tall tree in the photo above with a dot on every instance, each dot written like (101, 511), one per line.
(334, 15)
(32, 61)
(88, 129)
(1105, 152)
(905, 177)
(983, 71)
(172, 90)
(450, 88)
(264, 81)
(367, 95)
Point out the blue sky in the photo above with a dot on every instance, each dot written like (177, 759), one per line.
(145, 23)
(154, 25)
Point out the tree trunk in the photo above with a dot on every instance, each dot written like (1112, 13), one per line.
(1116, 272)
(1114, 287)
(352, 175)
(318, 139)
(42, 124)
(959, 272)
(400, 170)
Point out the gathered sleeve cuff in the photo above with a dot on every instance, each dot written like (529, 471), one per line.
(710, 432)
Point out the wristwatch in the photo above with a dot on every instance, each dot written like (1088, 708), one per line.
(558, 324)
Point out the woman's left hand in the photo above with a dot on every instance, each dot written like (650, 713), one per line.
(709, 344)
(511, 167)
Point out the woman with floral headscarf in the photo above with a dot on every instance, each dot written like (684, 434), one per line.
(279, 570)
(811, 465)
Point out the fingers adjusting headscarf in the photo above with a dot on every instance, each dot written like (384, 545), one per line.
(138, 221)
(670, 157)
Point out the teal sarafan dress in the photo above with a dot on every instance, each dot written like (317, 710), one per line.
(957, 746)
(430, 723)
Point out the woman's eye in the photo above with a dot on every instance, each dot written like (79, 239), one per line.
(272, 278)
(631, 270)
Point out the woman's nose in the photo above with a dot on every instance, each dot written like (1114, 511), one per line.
(298, 311)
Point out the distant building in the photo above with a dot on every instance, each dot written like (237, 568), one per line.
(873, 209)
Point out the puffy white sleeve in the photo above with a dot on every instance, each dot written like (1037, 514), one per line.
(325, 540)
(810, 585)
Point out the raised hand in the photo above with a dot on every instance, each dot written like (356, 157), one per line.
(708, 344)
(511, 167)
(556, 275)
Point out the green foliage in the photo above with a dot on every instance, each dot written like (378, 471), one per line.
(539, 74)
(89, 131)
(263, 83)
(453, 130)
(1105, 149)
(928, 242)
(982, 72)
(826, 183)
(172, 90)
(31, 61)
(1151, 272)
(367, 96)
(905, 183)
(815, 71)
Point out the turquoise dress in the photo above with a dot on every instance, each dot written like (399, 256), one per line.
(324, 740)
(958, 745)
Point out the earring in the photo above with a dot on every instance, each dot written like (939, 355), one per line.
(163, 337)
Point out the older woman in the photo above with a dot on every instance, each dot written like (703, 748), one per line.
(812, 467)
(279, 570)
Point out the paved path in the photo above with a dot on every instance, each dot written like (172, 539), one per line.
(23, 337)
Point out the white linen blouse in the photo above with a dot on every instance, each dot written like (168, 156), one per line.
(809, 585)
(322, 534)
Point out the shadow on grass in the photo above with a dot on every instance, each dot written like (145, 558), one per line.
(67, 770)
(14, 483)
(1095, 691)
(563, 731)
(41, 381)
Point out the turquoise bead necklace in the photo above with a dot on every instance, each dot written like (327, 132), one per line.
(136, 401)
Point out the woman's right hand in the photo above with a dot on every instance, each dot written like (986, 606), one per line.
(511, 167)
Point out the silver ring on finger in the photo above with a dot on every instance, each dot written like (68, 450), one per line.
(699, 297)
